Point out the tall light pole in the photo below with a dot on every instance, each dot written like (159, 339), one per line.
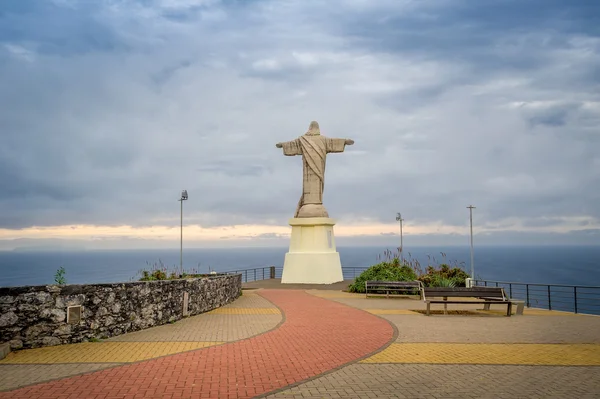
(399, 219)
(184, 197)
(471, 207)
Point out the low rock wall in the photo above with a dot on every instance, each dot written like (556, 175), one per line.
(37, 316)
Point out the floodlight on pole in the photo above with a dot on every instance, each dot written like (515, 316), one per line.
(184, 197)
(399, 219)
(471, 207)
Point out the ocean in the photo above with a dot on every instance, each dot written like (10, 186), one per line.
(568, 265)
(562, 265)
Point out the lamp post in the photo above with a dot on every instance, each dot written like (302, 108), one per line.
(471, 207)
(399, 219)
(184, 197)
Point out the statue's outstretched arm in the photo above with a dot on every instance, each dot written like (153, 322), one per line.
(290, 147)
(337, 145)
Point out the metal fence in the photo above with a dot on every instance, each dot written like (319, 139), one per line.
(263, 273)
(568, 298)
(259, 273)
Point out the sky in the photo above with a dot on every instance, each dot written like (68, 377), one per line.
(109, 108)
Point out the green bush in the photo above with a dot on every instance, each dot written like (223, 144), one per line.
(408, 269)
(153, 275)
(443, 276)
(59, 277)
(384, 271)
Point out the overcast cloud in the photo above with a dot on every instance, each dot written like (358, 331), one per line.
(109, 108)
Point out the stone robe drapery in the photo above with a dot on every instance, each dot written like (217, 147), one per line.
(314, 150)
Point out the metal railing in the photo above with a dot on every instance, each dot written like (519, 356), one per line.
(352, 272)
(258, 273)
(568, 298)
(263, 273)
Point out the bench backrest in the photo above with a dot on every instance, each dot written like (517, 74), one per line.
(399, 284)
(473, 292)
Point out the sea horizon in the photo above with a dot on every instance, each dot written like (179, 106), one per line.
(77, 249)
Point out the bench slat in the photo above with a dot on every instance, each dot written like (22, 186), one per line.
(467, 302)
(474, 292)
(388, 288)
(393, 283)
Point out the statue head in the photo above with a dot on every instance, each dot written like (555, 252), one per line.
(313, 129)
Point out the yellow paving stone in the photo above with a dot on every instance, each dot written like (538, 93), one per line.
(544, 312)
(512, 354)
(101, 352)
(529, 312)
(225, 310)
(392, 311)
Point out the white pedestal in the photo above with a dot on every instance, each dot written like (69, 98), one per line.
(312, 258)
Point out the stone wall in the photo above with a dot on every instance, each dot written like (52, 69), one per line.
(38, 316)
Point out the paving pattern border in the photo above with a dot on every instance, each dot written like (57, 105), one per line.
(333, 370)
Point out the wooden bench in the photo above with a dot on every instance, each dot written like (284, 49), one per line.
(394, 288)
(483, 295)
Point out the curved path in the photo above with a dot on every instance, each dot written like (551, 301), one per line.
(316, 336)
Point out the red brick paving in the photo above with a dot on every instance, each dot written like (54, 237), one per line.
(317, 335)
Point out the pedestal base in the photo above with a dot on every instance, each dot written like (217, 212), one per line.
(312, 258)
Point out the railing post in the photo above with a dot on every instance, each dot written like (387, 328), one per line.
(272, 271)
(263, 273)
(575, 296)
(246, 272)
(549, 299)
(510, 290)
(527, 291)
(254, 274)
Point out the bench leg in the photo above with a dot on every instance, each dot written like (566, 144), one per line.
(509, 309)
(428, 305)
(486, 306)
(445, 306)
(520, 306)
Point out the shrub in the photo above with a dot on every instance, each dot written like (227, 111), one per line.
(444, 276)
(443, 282)
(394, 269)
(384, 271)
(158, 271)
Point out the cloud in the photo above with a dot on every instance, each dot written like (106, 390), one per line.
(109, 109)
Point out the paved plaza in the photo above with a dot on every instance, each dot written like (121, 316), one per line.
(307, 342)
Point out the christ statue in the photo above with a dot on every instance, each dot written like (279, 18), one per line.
(314, 149)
